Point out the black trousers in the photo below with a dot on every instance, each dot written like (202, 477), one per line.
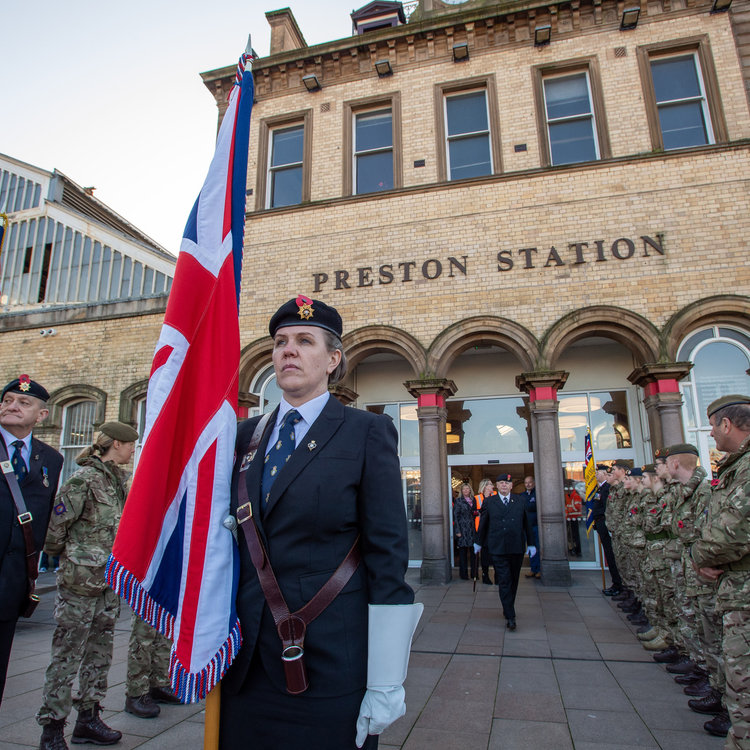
(601, 528)
(466, 554)
(7, 629)
(507, 573)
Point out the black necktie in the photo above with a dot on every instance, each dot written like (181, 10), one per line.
(279, 453)
(19, 465)
(505, 500)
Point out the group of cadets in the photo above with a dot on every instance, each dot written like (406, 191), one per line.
(682, 546)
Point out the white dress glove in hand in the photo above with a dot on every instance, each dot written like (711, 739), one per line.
(531, 551)
(477, 547)
(389, 633)
(380, 708)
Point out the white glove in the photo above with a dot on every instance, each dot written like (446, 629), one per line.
(531, 551)
(389, 634)
(477, 547)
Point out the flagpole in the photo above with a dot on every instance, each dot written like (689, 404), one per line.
(211, 723)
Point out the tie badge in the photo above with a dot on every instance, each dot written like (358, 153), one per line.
(312, 445)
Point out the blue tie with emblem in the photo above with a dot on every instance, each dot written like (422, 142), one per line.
(19, 465)
(279, 453)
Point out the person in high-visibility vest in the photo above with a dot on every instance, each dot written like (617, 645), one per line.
(486, 488)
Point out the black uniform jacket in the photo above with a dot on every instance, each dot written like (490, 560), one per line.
(505, 530)
(39, 498)
(342, 480)
(599, 504)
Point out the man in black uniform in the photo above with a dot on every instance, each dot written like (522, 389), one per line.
(598, 509)
(505, 530)
(36, 467)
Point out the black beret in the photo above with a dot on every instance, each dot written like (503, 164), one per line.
(119, 431)
(24, 384)
(602, 467)
(303, 311)
(732, 400)
(635, 472)
(504, 478)
(678, 448)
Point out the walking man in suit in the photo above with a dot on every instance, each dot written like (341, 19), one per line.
(505, 530)
(35, 466)
(598, 510)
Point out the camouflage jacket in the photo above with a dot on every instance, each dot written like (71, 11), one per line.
(689, 504)
(725, 536)
(632, 515)
(83, 525)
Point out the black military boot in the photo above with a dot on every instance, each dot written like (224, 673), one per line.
(719, 726)
(52, 736)
(142, 706)
(708, 704)
(684, 666)
(163, 695)
(90, 728)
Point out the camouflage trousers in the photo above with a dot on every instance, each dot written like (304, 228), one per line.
(710, 631)
(148, 659)
(81, 644)
(736, 653)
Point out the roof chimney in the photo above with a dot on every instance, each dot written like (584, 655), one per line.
(285, 34)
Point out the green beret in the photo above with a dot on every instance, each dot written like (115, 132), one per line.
(732, 400)
(119, 431)
(649, 469)
(620, 464)
(678, 448)
(661, 452)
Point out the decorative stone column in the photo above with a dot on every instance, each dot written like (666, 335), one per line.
(342, 393)
(245, 402)
(433, 465)
(662, 399)
(542, 388)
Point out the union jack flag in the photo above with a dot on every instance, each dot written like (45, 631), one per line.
(173, 560)
(591, 484)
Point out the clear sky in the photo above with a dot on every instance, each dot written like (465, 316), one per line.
(109, 93)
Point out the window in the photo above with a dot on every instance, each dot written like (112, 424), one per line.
(681, 94)
(571, 129)
(373, 151)
(77, 433)
(570, 112)
(467, 130)
(372, 135)
(284, 176)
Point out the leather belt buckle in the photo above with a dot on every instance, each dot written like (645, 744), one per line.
(244, 513)
(24, 518)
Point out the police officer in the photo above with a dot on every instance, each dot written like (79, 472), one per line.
(34, 467)
(82, 530)
(722, 553)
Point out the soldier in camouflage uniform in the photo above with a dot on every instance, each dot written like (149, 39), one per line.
(148, 671)
(722, 553)
(81, 531)
(614, 514)
(635, 545)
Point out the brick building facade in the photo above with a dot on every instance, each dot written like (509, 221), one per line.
(532, 217)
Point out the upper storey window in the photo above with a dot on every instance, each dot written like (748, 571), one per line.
(467, 133)
(285, 168)
(373, 151)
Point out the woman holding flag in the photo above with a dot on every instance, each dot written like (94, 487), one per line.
(317, 494)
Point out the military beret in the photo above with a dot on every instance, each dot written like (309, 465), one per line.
(504, 478)
(620, 464)
(603, 467)
(303, 311)
(119, 431)
(731, 400)
(649, 469)
(678, 448)
(24, 384)
(661, 452)
(636, 471)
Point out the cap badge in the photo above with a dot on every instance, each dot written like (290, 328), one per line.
(24, 383)
(305, 307)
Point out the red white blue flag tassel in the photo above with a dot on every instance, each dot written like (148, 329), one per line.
(173, 560)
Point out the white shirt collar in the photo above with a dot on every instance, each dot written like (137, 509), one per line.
(10, 439)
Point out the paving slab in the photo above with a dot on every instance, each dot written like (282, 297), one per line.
(573, 675)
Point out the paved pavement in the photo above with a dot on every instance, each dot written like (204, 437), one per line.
(572, 675)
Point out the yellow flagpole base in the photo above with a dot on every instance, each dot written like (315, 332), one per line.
(211, 724)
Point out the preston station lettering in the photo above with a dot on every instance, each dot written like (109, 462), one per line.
(576, 253)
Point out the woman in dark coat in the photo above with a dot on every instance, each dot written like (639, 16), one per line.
(464, 511)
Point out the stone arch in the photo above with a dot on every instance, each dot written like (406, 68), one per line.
(254, 358)
(483, 329)
(631, 330)
(370, 340)
(75, 392)
(129, 399)
(724, 309)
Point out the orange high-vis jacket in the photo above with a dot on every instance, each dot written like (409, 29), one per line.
(479, 499)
